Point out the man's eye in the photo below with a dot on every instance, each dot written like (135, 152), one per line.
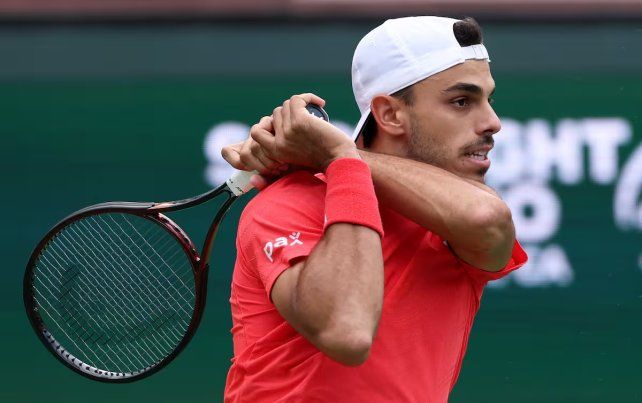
(460, 102)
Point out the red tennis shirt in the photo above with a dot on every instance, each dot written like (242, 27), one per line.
(430, 301)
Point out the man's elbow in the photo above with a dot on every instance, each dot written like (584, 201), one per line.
(495, 224)
(348, 347)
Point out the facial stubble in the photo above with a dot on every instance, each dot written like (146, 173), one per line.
(423, 147)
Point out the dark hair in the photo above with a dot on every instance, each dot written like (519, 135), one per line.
(467, 32)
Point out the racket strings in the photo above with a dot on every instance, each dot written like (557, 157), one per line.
(149, 277)
(125, 287)
(117, 290)
(87, 282)
(75, 311)
(92, 328)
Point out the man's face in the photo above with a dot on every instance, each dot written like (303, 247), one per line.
(452, 121)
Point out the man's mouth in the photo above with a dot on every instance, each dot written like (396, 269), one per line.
(480, 149)
(478, 155)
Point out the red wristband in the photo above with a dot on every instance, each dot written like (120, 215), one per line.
(350, 195)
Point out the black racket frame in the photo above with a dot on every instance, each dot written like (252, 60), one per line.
(153, 212)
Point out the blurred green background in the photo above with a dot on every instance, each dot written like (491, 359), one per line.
(90, 113)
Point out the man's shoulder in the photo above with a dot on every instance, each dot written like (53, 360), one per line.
(295, 181)
(291, 189)
(300, 191)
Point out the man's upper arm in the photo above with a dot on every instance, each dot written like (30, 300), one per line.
(283, 290)
(277, 229)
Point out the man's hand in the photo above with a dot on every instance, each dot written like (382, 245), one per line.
(248, 155)
(301, 139)
(291, 136)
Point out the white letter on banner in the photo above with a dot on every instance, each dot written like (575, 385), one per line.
(546, 266)
(222, 134)
(563, 151)
(508, 154)
(627, 202)
(543, 220)
(603, 136)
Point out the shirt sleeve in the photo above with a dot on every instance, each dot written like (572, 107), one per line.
(517, 260)
(276, 229)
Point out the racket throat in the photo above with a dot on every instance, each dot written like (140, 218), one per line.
(213, 230)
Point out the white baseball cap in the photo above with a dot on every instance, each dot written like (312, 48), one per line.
(401, 52)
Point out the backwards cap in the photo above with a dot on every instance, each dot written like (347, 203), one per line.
(401, 52)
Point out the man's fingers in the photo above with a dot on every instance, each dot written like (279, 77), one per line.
(298, 114)
(254, 164)
(287, 115)
(263, 132)
(256, 152)
(266, 124)
(264, 138)
(232, 155)
(251, 162)
(307, 98)
(259, 153)
(277, 121)
(297, 103)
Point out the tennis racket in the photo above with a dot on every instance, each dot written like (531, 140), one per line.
(115, 291)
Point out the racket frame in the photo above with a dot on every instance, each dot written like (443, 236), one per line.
(153, 212)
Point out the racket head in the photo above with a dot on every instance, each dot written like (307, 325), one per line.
(115, 292)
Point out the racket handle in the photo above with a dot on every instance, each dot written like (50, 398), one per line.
(317, 111)
(239, 182)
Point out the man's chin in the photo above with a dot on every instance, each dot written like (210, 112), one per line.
(479, 176)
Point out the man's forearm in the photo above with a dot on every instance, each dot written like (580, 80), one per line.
(471, 217)
(339, 292)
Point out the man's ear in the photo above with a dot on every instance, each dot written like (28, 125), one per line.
(390, 114)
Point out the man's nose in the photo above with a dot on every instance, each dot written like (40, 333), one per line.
(490, 123)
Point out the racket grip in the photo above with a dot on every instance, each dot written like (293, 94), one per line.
(239, 182)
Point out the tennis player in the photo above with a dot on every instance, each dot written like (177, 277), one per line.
(358, 277)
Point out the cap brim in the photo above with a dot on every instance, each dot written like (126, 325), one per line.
(359, 127)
